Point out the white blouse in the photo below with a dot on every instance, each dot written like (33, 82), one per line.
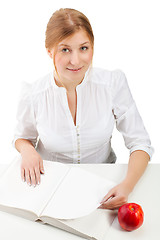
(103, 99)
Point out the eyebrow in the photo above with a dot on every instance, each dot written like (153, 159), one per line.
(69, 46)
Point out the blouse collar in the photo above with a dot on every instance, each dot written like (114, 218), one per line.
(84, 81)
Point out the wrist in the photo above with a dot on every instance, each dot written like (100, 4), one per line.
(129, 185)
(27, 149)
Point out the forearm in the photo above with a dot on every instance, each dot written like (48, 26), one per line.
(119, 194)
(138, 162)
(23, 144)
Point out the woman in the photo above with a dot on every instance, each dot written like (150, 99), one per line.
(69, 114)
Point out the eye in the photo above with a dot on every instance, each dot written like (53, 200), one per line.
(84, 48)
(65, 50)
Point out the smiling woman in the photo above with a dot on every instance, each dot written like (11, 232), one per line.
(69, 114)
(69, 42)
(72, 58)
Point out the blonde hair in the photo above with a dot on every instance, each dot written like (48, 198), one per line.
(64, 23)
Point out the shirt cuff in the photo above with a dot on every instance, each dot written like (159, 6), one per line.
(33, 141)
(149, 150)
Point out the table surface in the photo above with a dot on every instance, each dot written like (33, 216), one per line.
(146, 193)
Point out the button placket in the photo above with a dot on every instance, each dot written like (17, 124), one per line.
(78, 145)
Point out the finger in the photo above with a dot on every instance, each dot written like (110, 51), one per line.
(111, 204)
(33, 177)
(41, 167)
(110, 194)
(27, 177)
(37, 175)
(23, 174)
(114, 203)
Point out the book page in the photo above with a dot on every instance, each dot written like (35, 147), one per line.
(79, 194)
(18, 194)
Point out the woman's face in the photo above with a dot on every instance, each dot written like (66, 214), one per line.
(73, 57)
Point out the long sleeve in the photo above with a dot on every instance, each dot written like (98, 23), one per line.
(26, 123)
(128, 119)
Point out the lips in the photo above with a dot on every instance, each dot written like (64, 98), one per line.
(74, 69)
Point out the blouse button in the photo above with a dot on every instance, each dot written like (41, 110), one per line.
(78, 144)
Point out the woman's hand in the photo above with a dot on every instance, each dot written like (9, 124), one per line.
(116, 197)
(31, 166)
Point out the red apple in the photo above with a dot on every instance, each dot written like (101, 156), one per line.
(130, 216)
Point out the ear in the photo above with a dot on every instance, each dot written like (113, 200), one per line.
(50, 53)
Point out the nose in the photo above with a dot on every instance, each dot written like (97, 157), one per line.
(75, 58)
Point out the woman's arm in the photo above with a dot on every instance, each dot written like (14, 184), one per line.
(118, 195)
(32, 163)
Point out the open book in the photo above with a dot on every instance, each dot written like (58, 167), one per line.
(67, 197)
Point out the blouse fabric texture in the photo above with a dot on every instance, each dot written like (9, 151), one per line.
(103, 100)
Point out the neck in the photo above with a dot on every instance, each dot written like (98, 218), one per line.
(69, 86)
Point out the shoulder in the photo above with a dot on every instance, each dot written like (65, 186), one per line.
(42, 84)
(28, 90)
(107, 77)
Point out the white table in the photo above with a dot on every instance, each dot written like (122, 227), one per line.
(146, 193)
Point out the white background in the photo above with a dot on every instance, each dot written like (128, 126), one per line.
(126, 37)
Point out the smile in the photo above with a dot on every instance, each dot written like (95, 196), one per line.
(74, 70)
